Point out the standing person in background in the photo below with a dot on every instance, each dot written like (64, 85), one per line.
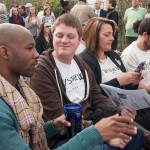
(22, 11)
(31, 22)
(3, 12)
(44, 38)
(131, 15)
(48, 16)
(112, 14)
(40, 14)
(100, 12)
(66, 7)
(15, 18)
(148, 7)
(27, 6)
(82, 12)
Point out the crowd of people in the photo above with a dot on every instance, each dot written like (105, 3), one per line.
(65, 60)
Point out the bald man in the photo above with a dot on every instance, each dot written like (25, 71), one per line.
(21, 111)
(21, 123)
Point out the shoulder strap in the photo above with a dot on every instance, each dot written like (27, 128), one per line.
(108, 14)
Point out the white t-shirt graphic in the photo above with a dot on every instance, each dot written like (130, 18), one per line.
(73, 80)
(131, 58)
(109, 70)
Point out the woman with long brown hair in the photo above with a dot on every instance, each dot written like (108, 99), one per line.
(31, 22)
(44, 38)
(107, 66)
(48, 16)
(15, 18)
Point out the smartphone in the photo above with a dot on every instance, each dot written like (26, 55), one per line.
(140, 66)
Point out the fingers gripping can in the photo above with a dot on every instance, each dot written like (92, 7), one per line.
(73, 113)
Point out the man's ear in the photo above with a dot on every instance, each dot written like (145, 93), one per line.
(4, 52)
(145, 35)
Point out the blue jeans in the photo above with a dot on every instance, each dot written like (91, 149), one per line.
(98, 147)
(104, 147)
(137, 142)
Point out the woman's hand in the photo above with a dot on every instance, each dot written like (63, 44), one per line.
(128, 112)
(128, 78)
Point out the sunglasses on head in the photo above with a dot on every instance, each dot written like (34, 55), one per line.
(47, 26)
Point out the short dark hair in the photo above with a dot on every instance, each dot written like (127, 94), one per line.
(64, 3)
(136, 25)
(144, 26)
(113, 2)
(23, 7)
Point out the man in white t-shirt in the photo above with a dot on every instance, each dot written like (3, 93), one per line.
(61, 77)
(139, 51)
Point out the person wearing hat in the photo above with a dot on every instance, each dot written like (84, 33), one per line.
(27, 6)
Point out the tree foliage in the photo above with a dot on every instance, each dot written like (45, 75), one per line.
(56, 7)
(55, 4)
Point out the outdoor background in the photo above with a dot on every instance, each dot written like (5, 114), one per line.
(56, 7)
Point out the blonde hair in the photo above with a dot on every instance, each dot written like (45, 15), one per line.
(3, 9)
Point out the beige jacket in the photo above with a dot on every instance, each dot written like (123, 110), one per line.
(83, 12)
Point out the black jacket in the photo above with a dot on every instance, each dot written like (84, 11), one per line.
(103, 13)
(143, 115)
(112, 14)
(41, 44)
(22, 23)
(93, 63)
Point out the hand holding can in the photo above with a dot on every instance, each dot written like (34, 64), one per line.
(73, 113)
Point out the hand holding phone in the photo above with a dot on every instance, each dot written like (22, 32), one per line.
(140, 67)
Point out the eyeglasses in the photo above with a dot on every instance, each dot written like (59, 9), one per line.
(47, 26)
